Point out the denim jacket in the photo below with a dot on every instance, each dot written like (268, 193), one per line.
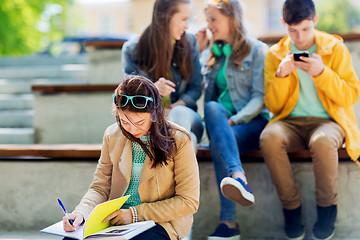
(189, 92)
(245, 83)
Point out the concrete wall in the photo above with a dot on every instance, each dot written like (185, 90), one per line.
(105, 66)
(29, 192)
(72, 117)
(264, 219)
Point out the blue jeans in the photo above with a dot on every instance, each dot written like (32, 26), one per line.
(226, 142)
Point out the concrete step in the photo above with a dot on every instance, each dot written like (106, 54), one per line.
(16, 101)
(18, 86)
(24, 235)
(263, 220)
(58, 81)
(14, 86)
(42, 60)
(76, 71)
(17, 135)
(16, 118)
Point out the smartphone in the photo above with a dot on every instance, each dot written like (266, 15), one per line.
(298, 54)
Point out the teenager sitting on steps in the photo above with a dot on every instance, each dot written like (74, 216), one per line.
(312, 102)
(235, 113)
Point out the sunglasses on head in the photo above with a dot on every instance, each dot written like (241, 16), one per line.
(138, 101)
(218, 1)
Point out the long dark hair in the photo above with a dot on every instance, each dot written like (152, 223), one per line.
(155, 49)
(162, 145)
(241, 46)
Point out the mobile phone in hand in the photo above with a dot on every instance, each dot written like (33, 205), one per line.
(298, 54)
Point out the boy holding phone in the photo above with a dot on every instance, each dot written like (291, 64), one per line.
(312, 103)
(297, 55)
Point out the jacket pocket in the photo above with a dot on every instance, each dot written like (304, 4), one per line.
(243, 75)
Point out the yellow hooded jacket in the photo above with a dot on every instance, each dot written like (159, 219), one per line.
(337, 86)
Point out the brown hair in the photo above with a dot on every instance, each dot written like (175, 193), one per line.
(155, 49)
(241, 47)
(162, 145)
(295, 11)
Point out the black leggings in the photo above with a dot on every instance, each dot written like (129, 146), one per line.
(157, 232)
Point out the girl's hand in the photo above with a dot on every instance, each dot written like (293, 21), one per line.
(77, 218)
(202, 39)
(119, 217)
(165, 87)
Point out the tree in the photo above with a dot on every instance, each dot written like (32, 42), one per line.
(337, 16)
(22, 25)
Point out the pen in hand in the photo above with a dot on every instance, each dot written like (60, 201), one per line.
(63, 208)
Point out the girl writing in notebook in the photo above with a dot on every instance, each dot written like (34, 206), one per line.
(149, 158)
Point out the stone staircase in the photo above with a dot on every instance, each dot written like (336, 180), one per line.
(17, 75)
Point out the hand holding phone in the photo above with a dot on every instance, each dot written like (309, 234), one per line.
(301, 53)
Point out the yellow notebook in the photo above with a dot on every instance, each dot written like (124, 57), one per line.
(94, 223)
(94, 227)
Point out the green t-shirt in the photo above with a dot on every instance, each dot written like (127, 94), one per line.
(138, 160)
(221, 84)
(308, 103)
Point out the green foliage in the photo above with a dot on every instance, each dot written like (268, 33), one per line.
(337, 16)
(19, 29)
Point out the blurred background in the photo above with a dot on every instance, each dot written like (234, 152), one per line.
(60, 61)
(63, 26)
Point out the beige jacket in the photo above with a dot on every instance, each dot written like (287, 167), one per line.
(169, 194)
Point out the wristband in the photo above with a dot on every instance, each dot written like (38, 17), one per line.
(134, 214)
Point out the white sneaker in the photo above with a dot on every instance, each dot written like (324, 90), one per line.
(237, 190)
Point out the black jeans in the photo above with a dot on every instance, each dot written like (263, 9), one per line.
(157, 232)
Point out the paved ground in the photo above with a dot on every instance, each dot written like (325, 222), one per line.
(27, 235)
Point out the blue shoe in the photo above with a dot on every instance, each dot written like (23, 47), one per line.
(237, 190)
(324, 228)
(223, 232)
(294, 229)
